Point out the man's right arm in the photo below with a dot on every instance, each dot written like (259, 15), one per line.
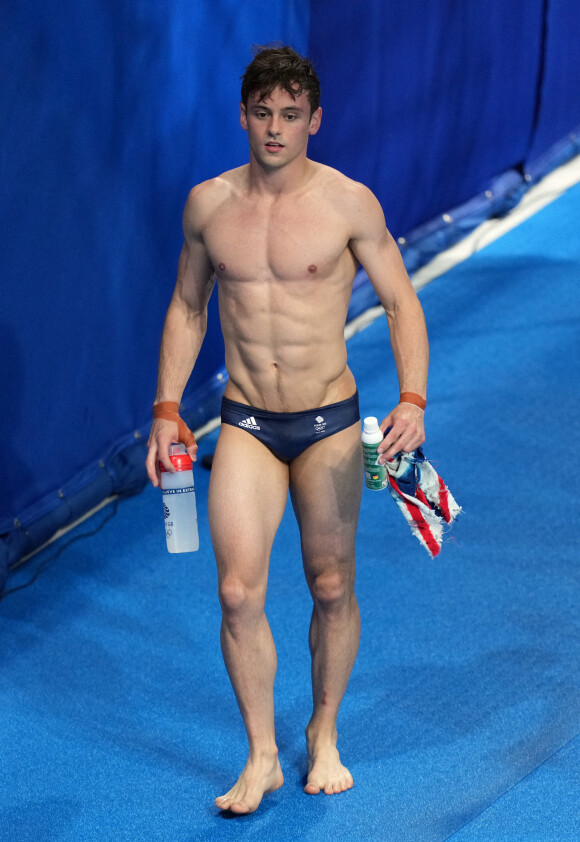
(183, 333)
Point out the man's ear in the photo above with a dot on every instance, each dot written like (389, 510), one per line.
(315, 121)
(243, 117)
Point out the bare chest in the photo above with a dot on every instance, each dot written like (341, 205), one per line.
(283, 242)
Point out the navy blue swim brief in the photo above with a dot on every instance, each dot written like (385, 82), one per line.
(288, 434)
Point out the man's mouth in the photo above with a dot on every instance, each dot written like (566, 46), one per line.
(274, 144)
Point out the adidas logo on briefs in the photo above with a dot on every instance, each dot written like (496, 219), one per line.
(249, 423)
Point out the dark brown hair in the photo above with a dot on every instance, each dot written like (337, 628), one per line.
(278, 66)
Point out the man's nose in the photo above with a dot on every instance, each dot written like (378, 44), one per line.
(274, 127)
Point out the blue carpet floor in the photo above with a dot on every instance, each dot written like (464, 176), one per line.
(462, 717)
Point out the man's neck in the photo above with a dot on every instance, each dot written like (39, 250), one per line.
(288, 179)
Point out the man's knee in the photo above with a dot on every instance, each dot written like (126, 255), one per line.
(238, 601)
(332, 588)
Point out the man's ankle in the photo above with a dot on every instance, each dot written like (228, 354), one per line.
(321, 732)
(266, 751)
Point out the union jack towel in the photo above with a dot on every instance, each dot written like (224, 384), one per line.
(422, 496)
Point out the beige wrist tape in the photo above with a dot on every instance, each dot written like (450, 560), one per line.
(414, 398)
(169, 411)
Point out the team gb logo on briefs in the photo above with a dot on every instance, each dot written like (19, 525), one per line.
(319, 424)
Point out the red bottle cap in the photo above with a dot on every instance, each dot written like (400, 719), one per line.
(181, 461)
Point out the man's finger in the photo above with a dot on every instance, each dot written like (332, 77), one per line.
(389, 447)
(151, 465)
(389, 454)
(165, 459)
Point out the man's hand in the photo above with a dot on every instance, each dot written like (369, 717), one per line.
(163, 433)
(407, 433)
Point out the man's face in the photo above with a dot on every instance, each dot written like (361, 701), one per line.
(279, 127)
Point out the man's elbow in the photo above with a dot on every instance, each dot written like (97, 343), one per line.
(392, 311)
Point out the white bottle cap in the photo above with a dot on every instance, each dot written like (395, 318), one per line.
(371, 424)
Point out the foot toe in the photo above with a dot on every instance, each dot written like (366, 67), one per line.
(312, 789)
(240, 808)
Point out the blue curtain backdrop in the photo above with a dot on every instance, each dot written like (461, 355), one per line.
(557, 118)
(426, 102)
(111, 111)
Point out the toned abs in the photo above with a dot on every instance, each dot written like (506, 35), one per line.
(285, 274)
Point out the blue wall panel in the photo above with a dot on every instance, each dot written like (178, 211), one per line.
(425, 102)
(111, 111)
(558, 107)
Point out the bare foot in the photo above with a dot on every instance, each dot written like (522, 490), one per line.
(258, 778)
(325, 771)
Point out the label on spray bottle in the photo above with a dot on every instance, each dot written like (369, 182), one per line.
(375, 474)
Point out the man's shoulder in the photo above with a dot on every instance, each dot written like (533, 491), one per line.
(346, 192)
(217, 188)
(206, 197)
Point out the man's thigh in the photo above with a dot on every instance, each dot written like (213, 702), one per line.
(326, 483)
(247, 497)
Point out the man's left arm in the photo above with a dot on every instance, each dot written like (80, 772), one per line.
(379, 255)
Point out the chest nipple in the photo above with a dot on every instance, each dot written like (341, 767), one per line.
(312, 268)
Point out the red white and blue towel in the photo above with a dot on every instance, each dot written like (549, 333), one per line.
(423, 498)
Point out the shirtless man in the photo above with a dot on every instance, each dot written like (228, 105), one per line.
(283, 237)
